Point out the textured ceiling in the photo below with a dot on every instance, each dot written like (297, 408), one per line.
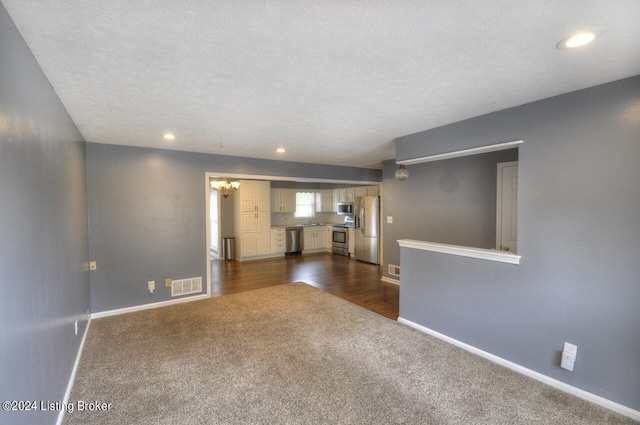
(333, 82)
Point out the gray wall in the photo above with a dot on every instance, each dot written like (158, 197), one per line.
(579, 237)
(43, 228)
(147, 215)
(451, 201)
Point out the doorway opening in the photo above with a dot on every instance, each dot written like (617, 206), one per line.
(223, 219)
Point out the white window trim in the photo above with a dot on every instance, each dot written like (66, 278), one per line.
(313, 206)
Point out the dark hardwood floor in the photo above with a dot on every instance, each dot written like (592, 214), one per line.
(344, 277)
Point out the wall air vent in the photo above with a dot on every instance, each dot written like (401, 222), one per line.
(394, 270)
(186, 286)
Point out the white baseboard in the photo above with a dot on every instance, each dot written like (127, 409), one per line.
(118, 311)
(608, 404)
(261, 257)
(72, 378)
(390, 280)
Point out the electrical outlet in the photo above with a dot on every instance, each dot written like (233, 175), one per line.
(567, 361)
(152, 286)
(570, 348)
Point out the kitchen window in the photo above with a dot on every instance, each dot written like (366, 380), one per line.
(305, 204)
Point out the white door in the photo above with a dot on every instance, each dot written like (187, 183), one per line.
(263, 196)
(263, 243)
(276, 205)
(262, 223)
(249, 222)
(288, 200)
(507, 207)
(319, 239)
(248, 195)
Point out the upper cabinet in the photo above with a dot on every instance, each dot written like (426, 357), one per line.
(324, 201)
(336, 199)
(255, 195)
(283, 200)
(347, 195)
(360, 191)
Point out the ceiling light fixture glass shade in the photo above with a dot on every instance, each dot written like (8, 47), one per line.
(402, 173)
(224, 187)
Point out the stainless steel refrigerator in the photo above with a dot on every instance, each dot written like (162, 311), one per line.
(367, 228)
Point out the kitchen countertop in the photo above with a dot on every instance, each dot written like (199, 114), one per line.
(283, 226)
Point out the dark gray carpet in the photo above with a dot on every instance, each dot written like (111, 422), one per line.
(293, 354)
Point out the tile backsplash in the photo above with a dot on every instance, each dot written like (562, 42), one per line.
(280, 219)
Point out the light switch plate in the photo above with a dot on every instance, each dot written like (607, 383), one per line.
(389, 219)
(93, 265)
(570, 348)
(567, 361)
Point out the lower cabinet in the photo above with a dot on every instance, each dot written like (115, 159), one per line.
(352, 242)
(315, 238)
(328, 240)
(255, 235)
(278, 240)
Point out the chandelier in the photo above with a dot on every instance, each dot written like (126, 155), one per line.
(224, 187)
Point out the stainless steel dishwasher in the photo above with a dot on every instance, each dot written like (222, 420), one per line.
(295, 240)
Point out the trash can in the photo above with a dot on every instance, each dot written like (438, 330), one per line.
(228, 248)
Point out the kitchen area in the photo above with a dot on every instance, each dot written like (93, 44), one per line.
(323, 234)
(269, 219)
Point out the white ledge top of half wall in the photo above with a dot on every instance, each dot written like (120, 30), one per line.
(464, 251)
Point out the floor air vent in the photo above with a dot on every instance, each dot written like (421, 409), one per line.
(394, 270)
(186, 286)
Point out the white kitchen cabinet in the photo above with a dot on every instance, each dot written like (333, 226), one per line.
(359, 192)
(324, 201)
(278, 240)
(252, 220)
(321, 239)
(352, 241)
(315, 238)
(328, 240)
(254, 195)
(283, 200)
(347, 195)
(255, 237)
(336, 199)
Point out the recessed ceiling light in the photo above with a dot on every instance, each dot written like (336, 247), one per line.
(168, 136)
(576, 40)
(281, 150)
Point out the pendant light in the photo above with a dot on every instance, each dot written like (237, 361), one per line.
(402, 173)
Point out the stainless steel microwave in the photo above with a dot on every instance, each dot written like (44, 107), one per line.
(345, 208)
